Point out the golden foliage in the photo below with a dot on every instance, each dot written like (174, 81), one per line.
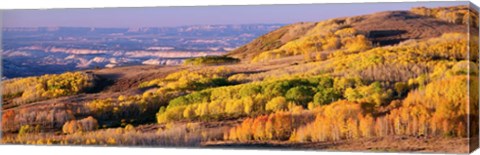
(325, 36)
(83, 125)
(190, 80)
(26, 90)
(276, 126)
(456, 15)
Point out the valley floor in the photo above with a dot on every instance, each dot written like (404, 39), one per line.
(210, 135)
(382, 144)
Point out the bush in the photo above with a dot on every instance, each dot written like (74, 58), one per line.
(300, 94)
(211, 60)
(31, 89)
(326, 96)
(277, 104)
(86, 124)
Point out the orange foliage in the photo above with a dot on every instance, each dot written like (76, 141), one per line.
(276, 126)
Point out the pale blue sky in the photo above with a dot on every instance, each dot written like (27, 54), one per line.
(177, 16)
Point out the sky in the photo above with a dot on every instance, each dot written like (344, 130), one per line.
(201, 15)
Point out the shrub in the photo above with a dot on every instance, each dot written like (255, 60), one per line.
(277, 104)
(83, 125)
(300, 94)
(211, 60)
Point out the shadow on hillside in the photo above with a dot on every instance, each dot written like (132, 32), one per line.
(101, 83)
(386, 37)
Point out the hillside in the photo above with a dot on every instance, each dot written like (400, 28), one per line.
(384, 28)
(388, 81)
(272, 40)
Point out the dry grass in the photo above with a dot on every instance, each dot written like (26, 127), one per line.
(175, 134)
(382, 144)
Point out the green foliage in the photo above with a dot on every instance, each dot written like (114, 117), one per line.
(196, 97)
(133, 109)
(374, 94)
(142, 108)
(401, 88)
(300, 94)
(249, 90)
(246, 99)
(211, 60)
(186, 80)
(326, 96)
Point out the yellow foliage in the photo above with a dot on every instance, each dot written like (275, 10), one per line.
(25, 90)
(276, 104)
(326, 36)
